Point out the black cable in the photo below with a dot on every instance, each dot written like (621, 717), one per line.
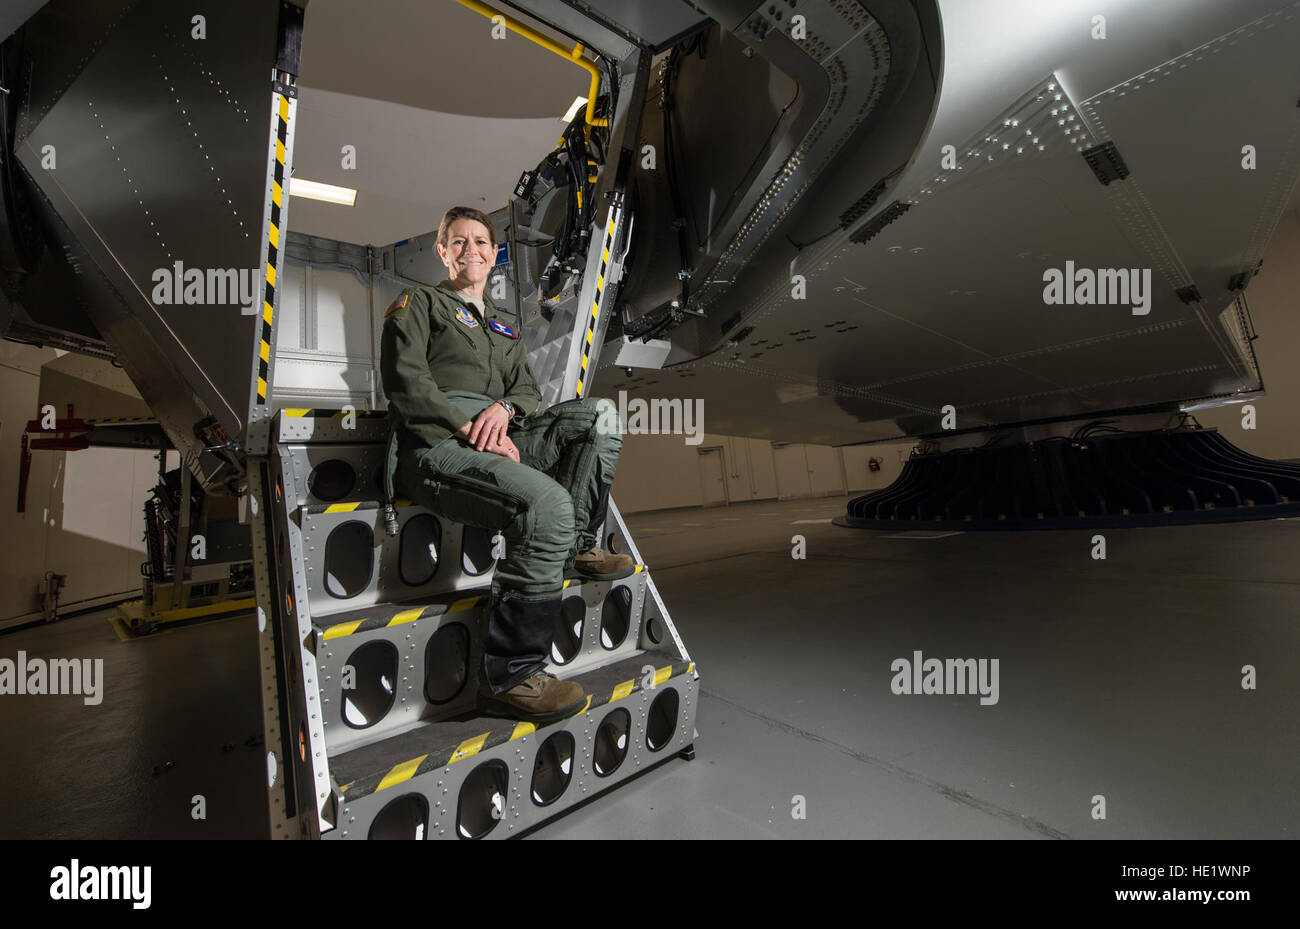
(1098, 427)
(802, 245)
(572, 217)
(674, 189)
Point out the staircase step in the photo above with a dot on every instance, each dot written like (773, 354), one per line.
(298, 425)
(430, 746)
(384, 615)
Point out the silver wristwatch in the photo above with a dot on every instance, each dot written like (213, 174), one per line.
(510, 407)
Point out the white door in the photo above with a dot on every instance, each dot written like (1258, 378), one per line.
(791, 472)
(711, 477)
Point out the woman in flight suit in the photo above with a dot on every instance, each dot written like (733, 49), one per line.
(471, 447)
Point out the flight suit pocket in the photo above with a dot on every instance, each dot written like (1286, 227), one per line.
(462, 333)
(450, 322)
(464, 497)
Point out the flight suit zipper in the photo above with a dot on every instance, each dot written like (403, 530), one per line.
(464, 333)
(492, 351)
(512, 502)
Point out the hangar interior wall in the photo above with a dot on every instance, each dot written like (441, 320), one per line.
(1274, 298)
(25, 534)
(95, 497)
(85, 510)
(658, 472)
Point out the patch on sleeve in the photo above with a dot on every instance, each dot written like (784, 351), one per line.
(502, 328)
(398, 304)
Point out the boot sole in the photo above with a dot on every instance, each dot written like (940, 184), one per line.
(575, 574)
(491, 706)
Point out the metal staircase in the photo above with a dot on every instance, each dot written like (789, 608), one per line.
(170, 150)
(371, 649)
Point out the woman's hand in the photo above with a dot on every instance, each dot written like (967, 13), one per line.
(490, 428)
(505, 448)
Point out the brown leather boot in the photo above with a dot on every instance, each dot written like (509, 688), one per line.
(542, 698)
(598, 564)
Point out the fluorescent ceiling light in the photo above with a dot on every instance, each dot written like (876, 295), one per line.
(574, 108)
(313, 190)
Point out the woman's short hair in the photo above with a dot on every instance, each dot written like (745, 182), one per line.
(465, 212)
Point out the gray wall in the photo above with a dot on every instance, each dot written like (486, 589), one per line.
(84, 509)
(661, 471)
(1274, 298)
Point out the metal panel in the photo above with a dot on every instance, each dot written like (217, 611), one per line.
(945, 305)
(281, 803)
(562, 16)
(362, 462)
(655, 620)
(441, 786)
(324, 349)
(288, 595)
(657, 25)
(15, 14)
(602, 600)
(409, 640)
(152, 140)
(298, 424)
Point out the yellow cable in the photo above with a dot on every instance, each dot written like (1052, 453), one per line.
(574, 54)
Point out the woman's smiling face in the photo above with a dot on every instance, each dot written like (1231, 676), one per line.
(469, 253)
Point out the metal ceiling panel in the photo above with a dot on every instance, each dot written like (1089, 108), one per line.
(946, 304)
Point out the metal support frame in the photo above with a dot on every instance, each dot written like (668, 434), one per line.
(180, 589)
(281, 800)
(275, 226)
(604, 268)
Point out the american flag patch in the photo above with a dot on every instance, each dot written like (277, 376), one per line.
(396, 305)
(502, 328)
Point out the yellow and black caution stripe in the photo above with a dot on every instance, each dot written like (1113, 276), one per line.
(595, 303)
(357, 506)
(402, 616)
(122, 419)
(281, 103)
(401, 773)
(354, 507)
(301, 413)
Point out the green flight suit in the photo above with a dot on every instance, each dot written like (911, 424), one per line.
(442, 362)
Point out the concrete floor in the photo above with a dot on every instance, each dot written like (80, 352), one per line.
(1119, 678)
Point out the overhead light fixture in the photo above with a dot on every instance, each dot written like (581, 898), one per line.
(314, 190)
(573, 109)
